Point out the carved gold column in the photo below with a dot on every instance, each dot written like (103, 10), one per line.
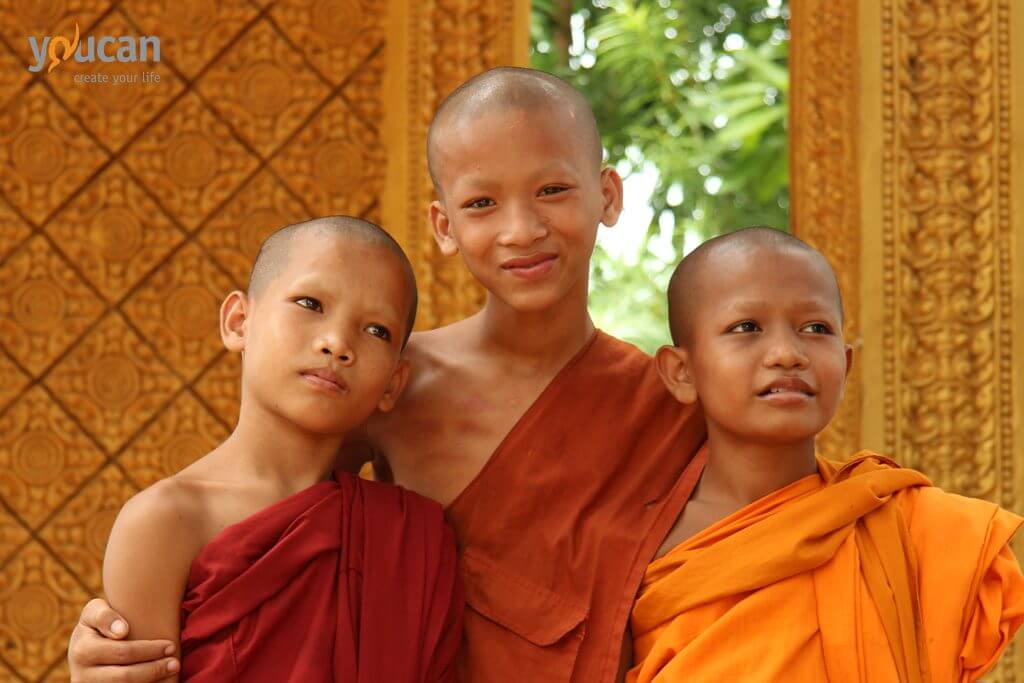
(432, 46)
(908, 171)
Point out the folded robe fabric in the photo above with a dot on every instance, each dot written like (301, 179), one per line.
(864, 572)
(557, 529)
(349, 581)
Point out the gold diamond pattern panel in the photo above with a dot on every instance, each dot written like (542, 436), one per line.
(44, 304)
(45, 154)
(128, 209)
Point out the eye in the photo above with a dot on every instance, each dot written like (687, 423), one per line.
(482, 203)
(745, 326)
(310, 303)
(816, 328)
(379, 331)
(549, 190)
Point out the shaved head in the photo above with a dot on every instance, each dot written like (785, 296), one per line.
(276, 250)
(693, 276)
(512, 88)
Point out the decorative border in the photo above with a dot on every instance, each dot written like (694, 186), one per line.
(824, 172)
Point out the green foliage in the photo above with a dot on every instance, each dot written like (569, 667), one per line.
(696, 88)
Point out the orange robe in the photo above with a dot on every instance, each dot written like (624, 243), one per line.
(556, 531)
(865, 573)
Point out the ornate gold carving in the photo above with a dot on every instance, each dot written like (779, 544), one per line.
(190, 161)
(336, 36)
(39, 603)
(177, 309)
(191, 32)
(112, 382)
(80, 530)
(823, 173)
(263, 89)
(114, 232)
(946, 235)
(44, 457)
(335, 164)
(13, 229)
(44, 154)
(44, 305)
(12, 381)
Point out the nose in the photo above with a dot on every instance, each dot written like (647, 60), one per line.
(786, 352)
(522, 227)
(336, 345)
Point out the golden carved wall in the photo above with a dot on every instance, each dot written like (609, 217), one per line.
(908, 171)
(128, 211)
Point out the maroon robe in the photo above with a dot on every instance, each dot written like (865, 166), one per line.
(349, 581)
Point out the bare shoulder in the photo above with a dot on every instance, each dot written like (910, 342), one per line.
(168, 514)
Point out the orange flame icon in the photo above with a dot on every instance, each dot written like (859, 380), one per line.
(67, 48)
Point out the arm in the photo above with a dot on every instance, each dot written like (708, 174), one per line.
(145, 568)
(97, 651)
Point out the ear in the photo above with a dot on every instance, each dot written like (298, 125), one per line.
(234, 314)
(396, 384)
(611, 194)
(849, 360)
(442, 229)
(673, 364)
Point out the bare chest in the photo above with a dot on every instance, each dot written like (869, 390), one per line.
(444, 433)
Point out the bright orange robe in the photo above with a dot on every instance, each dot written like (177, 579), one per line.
(864, 573)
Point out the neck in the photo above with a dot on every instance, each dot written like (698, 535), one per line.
(267, 447)
(740, 472)
(556, 332)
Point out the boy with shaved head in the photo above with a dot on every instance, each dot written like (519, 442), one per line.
(785, 566)
(260, 559)
(559, 455)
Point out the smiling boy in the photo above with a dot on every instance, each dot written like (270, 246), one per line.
(785, 566)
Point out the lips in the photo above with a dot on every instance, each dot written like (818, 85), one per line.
(788, 385)
(527, 262)
(325, 379)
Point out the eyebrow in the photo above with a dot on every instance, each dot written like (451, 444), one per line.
(802, 305)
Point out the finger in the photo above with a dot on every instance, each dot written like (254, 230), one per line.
(150, 672)
(98, 615)
(96, 650)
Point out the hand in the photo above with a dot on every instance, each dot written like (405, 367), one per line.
(98, 652)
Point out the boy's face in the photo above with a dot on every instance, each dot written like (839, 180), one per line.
(322, 341)
(767, 359)
(521, 199)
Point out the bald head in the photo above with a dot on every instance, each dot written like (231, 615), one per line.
(276, 250)
(513, 88)
(693, 278)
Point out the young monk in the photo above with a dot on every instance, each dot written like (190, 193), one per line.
(265, 563)
(785, 566)
(559, 455)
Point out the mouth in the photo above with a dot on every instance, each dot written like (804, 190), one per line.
(325, 379)
(788, 389)
(531, 266)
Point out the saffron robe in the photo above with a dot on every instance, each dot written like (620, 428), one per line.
(556, 530)
(863, 572)
(349, 581)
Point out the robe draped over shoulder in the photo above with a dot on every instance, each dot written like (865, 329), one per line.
(556, 530)
(349, 581)
(862, 573)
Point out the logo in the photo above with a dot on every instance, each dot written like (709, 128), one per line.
(52, 51)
